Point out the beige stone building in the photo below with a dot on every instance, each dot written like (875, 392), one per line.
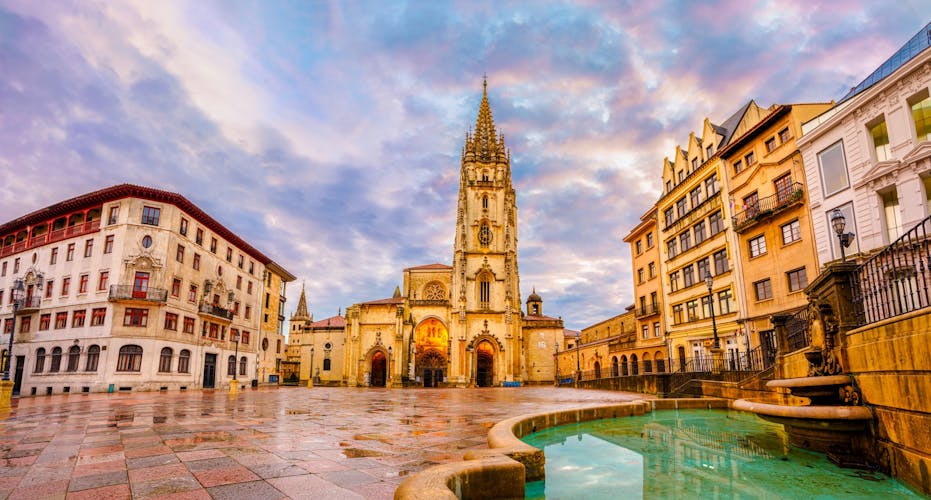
(647, 266)
(130, 288)
(461, 324)
(272, 345)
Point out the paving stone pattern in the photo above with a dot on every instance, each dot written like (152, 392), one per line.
(288, 442)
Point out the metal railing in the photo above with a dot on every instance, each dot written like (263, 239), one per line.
(895, 281)
(129, 292)
(797, 334)
(769, 205)
(30, 303)
(648, 310)
(217, 311)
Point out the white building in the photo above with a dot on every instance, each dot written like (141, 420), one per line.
(129, 288)
(870, 155)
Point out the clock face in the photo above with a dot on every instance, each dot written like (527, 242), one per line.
(484, 235)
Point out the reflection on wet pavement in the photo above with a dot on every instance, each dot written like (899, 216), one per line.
(268, 443)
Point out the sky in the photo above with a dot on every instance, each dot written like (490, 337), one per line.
(328, 134)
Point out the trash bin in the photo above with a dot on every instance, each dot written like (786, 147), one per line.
(255, 383)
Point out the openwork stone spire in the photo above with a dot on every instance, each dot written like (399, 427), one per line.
(301, 312)
(484, 143)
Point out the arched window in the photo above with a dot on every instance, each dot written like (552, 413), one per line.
(74, 355)
(242, 365)
(634, 369)
(614, 367)
(624, 365)
(93, 356)
(660, 362)
(184, 361)
(130, 359)
(164, 361)
(484, 235)
(231, 366)
(40, 360)
(485, 176)
(485, 202)
(326, 364)
(597, 370)
(56, 360)
(647, 363)
(434, 291)
(484, 290)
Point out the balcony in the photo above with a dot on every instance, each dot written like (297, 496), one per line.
(130, 293)
(216, 311)
(768, 207)
(648, 310)
(30, 304)
(704, 208)
(51, 237)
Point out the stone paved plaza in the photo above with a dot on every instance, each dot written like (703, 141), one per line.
(268, 443)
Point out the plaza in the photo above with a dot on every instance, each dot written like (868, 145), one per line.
(265, 443)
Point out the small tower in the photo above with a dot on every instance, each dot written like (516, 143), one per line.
(534, 304)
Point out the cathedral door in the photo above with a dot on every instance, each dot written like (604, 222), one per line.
(379, 369)
(485, 365)
(430, 367)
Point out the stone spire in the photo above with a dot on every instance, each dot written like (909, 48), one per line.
(484, 143)
(301, 313)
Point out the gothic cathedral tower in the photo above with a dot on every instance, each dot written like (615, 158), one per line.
(485, 294)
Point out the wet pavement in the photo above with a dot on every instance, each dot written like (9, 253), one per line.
(288, 442)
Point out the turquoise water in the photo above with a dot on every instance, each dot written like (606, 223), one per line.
(693, 454)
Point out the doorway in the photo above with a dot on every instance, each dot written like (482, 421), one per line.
(210, 371)
(485, 364)
(379, 369)
(431, 367)
(432, 377)
(18, 374)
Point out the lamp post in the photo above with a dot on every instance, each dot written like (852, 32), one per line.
(388, 370)
(578, 362)
(18, 294)
(839, 222)
(234, 384)
(714, 326)
(310, 377)
(556, 366)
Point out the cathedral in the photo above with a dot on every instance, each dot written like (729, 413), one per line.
(458, 325)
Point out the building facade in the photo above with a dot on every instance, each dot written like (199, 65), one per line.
(272, 345)
(129, 288)
(650, 342)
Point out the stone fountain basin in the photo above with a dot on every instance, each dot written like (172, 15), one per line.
(837, 418)
(812, 387)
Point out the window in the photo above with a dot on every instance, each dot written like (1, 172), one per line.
(484, 295)
(114, 214)
(738, 166)
(268, 298)
(213, 245)
(164, 360)
(16, 265)
(248, 313)
(40, 360)
(61, 320)
(196, 263)
(183, 228)
(88, 248)
(484, 235)
(102, 280)
(171, 321)
(750, 159)
(251, 267)
(69, 254)
(751, 205)
(150, 215)
(691, 310)
(56, 361)
(891, 214)
(694, 164)
(757, 246)
(53, 258)
(7, 326)
(326, 364)
(725, 304)
(231, 366)
(649, 240)
(797, 279)
(784, 189)
(98, 315)
(685, 240)
(45, 320)
(135, 316)
(709, 151)
(49, 287)
(249, 288)
(639, 247)
(93, 356)
(77, 318)
(130, 359)
(239, 262)
(192, 294)
(703, 268)
(715, 223)
(674, 281)
(921, 115)
(688, 276)
(699, 232)
(146, 241)
(695, 196)
(74, 356)
(640, 275)
(784, 135)
(720, 262)
(184, 361)
(179, 254)
(711, 186)
(25, 324)
(229, 254)
(668, 216)
(82, 283)
(706, 307)
(833, 166)
(242, 365)
(770, 144)
(239, 282)
(652, 270)
(763, 289)
(645, 332)
(245, 337)
(880, 137)
(108, 244)
(682, 207)
(677, 314)
(668, 186)
(188, 325)
(176, 287)
(681, 176)
(791, 232)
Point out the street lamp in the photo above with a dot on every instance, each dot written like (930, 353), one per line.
(310, 378)
(714, 327)
(388, 370)
(556, 365)
(839, 222)
(236, 356)
(18, 294)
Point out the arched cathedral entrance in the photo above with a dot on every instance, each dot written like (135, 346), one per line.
(431, 342)
(379, 369)
(485, 364)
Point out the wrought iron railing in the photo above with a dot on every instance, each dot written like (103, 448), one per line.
(768, 206)
(217, 311)
(648, 310)
(30, 303)
(896, 280)
(130, 292)
(797, 334)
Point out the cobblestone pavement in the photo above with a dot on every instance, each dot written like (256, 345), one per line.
(269, 443)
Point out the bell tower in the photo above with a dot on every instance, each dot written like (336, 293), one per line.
(485, 299)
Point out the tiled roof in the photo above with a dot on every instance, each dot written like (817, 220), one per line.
(541, 317)
(334, 321)
(428, 267)
(389, 300)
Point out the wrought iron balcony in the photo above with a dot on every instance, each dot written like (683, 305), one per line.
(129, 292)
(29, 304)
(217, 311)
(648, 310)
(769, 206)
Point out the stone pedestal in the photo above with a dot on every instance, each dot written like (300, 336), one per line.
(6, 394)
(234, 387)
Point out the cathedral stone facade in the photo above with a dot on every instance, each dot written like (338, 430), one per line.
(459, 325)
